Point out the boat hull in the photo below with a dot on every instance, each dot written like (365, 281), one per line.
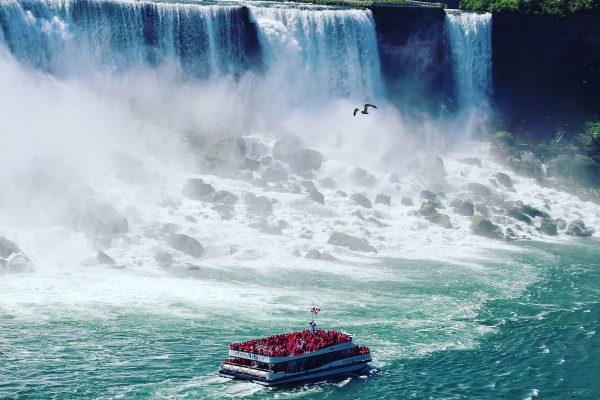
(316, 374)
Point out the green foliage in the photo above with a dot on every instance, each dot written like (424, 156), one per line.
(589, 140)
(542, 7)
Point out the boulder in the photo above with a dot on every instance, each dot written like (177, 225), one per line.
(481, 209)
(164, 259)
(519, 216)
(99, 219)
(316, 196)
(328, 183)
(317, 255)
(503, 179)
(7, 248)
(480, 190)
(484, 227)
(437, 168)
(230, 151)
(361, 200)
(534, 212)
(428, 195)
(186, 244)
(250, 164)
(465, 208)
(196, 189)
(104, 258)
(258, 205)
(578, 228)
(340, 193)
(439, 219)
(427, 209)
(580, 168)
(383, 199)
(224, 197)
(266, 160)
(561, 224)
(362, 178)
(287, 147)
(309, 186)
(351, 242)
(275, 173)
(548, 227)
(306, 160)
(12, 259)
(470, 161)
(406, 201)
(270, 229)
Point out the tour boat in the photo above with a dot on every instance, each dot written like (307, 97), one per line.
(296, 356)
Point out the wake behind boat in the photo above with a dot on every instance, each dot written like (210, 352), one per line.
(296, 356)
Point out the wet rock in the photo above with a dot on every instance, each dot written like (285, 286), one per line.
(275, 173)
(548, 227)
(470, 161)
(328, 183)
(406, 201)
(361, 200)
(340, 193)
(283, 224)
(266, 160)
(287, 147)
(362, 178)
(196, 189)
(296, 253)
(314, 254)
(316, 196)
(306, 160)
(260, 182)
(7, 248)
(164, 259)
(439, 219)
(503, 179)
(580, 168)
(519, 216)
(465, 208)
(561, 223)
(104, 258)
(578, 228)
(437, 167)
(258, 205)
(251, 164)
(309, 186)
(534, 212)
(225, 211)
(480, 189)
(231, 151)
(351, 242)
(428, 195)
(528, 164)
(99, 220)
(481, 209)
(383, 199)
(12, 259)
(484, 227)
(270, 229)
(186, 244)
(225, 197)
(427, 209)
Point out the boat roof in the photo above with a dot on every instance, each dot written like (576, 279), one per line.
(292, 344)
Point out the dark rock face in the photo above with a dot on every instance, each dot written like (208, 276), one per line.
(414, 57)
(546, 71)
(352, 242)
(519, 216)
(186, 244)
(549, 227)
(484, 227)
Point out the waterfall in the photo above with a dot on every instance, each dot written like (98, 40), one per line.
(470, 36)
(332, 52)
(63, 36)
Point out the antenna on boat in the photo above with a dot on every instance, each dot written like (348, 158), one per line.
(313, 323)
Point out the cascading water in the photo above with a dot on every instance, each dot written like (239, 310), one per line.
(470, 37)
(334, 52)
(72, 36)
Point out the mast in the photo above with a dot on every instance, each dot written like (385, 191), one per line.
(313, 322)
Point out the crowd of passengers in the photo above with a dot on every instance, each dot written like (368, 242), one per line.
(281, 367)
(292, 344)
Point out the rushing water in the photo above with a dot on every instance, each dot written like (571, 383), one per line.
(520, 325)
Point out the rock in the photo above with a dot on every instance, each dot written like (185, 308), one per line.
(361, 177)
(428, 195)
(224, 197)
(484, 227)
(231, 151)
(578, 228)
(316, 196)
(164, 259)
(99, 219)
(548, 227)
(7, 248)
(361, 200)
(270, 229)
(196, 189)
(16, 263)
(470, 161)
(439, 219)
(436, 168)
(503, 179)
(534, 212)
(454, 203)
(275, 173)
(339, 193)
(480, 189)
(306, 160)
(406, 201)
(251, 164)
(519, 216)
(296, 253)
(580, 168)
(225, 211)
(316, 255)
(427, 209)
(104, 258)
(561, 223)
(186, 244)
(283, 224)
(309, 186)
(528, 164)
(258, 205)
(351, 242)
(260, 182)
(466, 209)
(328, 183)
(383, 199)
(266, 160)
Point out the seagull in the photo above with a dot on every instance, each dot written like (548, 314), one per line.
(365, 111)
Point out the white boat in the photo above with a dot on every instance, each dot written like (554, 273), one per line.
(296, 356)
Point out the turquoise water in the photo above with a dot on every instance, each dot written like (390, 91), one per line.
(522, 326)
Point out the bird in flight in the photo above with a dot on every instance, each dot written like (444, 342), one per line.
(365, 110)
